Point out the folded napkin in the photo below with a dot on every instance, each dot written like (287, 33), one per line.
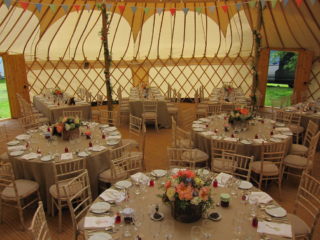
(112, 195)
(17, 148)
(113, 138)
(280, 136)
(66, 156)
(220, 176)
(110, 129)
(23, 137)
(97, 148)
(259, 197)
(208, 133)
(31, 156)
(283, 129)
(98, 222)
(285, 229)
(136, 177)
(204, 120)
(260, 141)
(196, 125)
(230, 139)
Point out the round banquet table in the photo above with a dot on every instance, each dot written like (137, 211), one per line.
(222, 229)
(42, 172)
(203, 142)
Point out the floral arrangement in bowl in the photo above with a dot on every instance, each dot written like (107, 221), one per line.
(57, 91)
(145, 86)
(228, 88)
(187, 188)
(240, 114)
(68, 123)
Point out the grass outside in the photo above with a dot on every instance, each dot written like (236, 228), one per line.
(4, 102)
(276, 91)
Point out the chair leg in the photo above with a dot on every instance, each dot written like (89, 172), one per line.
(157, 126)
(60, 216)
(21, 215)
(0, 210)
(280, 189)
(260, 181)
(52, 206)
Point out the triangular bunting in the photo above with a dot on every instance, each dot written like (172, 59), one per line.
(238, 6)
(65, 8)
(88, 7)
(77, 7)
(109, 5)
(146, 10)
(312, 2)
(134, 9)
(8, 3)
(39, 6)
(159, 10)
(285, 2)
(52, 6)
(273, 2)
(252, 4)
(198, 9)
(185, 10)
(263, 3)
(212, 8)
(225, 8)
(299, 2)
(24, 5)
(172, 10)
(121, 8)
(98, 5)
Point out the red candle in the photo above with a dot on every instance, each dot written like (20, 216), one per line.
(151, 183)
(90, 144)
(315, 111)
(215, 183)
(255, 222)
(103, 136)
(232, 135)
(66, 150)
(256, 136)
(262, 121)
(271, 133)
(48, 129)
(27, 145)
(118, 218)
(58, 104)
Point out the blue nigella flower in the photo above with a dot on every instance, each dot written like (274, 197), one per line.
(188, 179)
(195, 193)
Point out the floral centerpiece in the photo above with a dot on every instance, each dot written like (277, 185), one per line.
(240, 116)
(145, 86)
(57, 92)
(228, 88)
(68, 126)
(188, 195)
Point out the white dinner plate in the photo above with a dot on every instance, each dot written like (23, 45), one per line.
(47, 158)
(104, 125)
(158, 173)
(83, 154)
(123, 184)
(276, 212)
(197, 122)
(32, 131)
(112, 142)
(275, 140)
(245, 185)
(216, 137)
(16, 153)
(204, 171)
(287, 133)
(204, 120)
(161, 214)
(100, 236)
(115, 133)
(245, 142)
(12, 143)
(279, 124)
(198, 129)
(100, 207)
(215, 219)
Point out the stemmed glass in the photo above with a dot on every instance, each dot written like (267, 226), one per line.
(48, 146)
(207, 228)
(168, 228)
(238, 226)
(54, 141)
(155, 228)
(72, 141)
(143, 184)
(78, 140)
(132, 194)
(196, 233)
(138, 220)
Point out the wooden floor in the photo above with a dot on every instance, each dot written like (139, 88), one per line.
(156, 145)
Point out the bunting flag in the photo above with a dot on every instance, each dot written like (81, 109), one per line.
(225, 8)
(312, 2)
(88, 7)
(52, 6)
(24, 5)
(134, 9)
(172, 10)
(198, 9)
(121, 8)
(77, 7)
(238, 6)
(39, 6)
(98, 5)
(8, 3)
(252, 4)
(65, 8)
(273, 2)
(285, 2)
(146, 10)
(109, 5)
(263, 3)
(159, 10)
(212, 8)
(299, 2)
(185, 10)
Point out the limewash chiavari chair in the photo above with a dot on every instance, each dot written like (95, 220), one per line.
(29, 112)
(174, 132)
(97, 113)
(295, 127)
(173, 99)
(227, 107)
(39, 228)
(178, 157)
(72, 114)
(175, 110)
(276, 106)
(29, 123)
(109, 117)
(141, 154)
(134, 132)
(187, 119)
(150, 112)
(200, 109)
(284, 117)
(238, 165)
(3, 143)
(213, 109)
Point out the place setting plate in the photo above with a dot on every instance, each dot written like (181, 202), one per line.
(100, 236)
(104, 126)
(100, 207)
(47, 158)
(158, 173)
(123, 184)
(216, 137)
(203, 171)
(245, 185)
(275, 140)
(112, 142)
(246, 142)
(276, 212)
(198, 129)
(13, 143)
(287, 133)
(115, 133)
(279, 124)
(16, 153)
(83, 154)
(197, 122)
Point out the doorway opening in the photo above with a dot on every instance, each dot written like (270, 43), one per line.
(4, 101)
(281, 75)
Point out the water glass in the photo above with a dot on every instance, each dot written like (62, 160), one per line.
(207, 228)
(155, 228)
(238, 227)
(143, 184)
(168, 228)
(196, 233)
(250, 233)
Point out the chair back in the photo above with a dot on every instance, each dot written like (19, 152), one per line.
(284, 117)
(177, 104)
(218, 147)
(3, 137)
(227, 107)
(240, 166)
(174, 131)
(304, 96)
(120, 152)
(276, 105)
(296, 118)
(169, 91)
(285, 101)
(150, 106)
(27, 108)
(174, 95)
(109, 117)
(39, 228)
(187, 119)
(7, 179)
(135, 128)
(312, 149)
(78, 189)
(89, 97)
(144, 132)
(196, 98)
(28, 123)
(99, 102)
(20, 104)
(124, 166)
(72, 114)
(273, 153)
(312, 130)
(184, 139)
(178, 157)
(293, 98)
(213, 109)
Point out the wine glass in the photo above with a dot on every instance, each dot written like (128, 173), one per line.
(48, 146)
(155, 228)
(207, 228)
(78, 140)
(168, 228)
(238, 227)
(138, 220)
(72, 141)
(143, 184)
(196, 233)
(54, 141)
(132, 194)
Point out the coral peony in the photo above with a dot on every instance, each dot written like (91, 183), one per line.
(244, 111)
(59, 128)
(203, 193)
(168, 184)
(185, 192)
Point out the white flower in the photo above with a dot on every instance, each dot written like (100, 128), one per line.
(67, 126)
(175, 182)
(195, 200)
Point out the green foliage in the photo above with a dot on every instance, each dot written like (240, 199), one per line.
(4, 102)
(273, 92)
(281, 54)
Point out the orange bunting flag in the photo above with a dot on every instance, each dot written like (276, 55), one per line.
(225, 8)
(77, 7)
(298, 2)
(24, 5)
(172, 10)
(121, 8)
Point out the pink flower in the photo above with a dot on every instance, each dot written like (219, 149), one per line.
(204, 193)
(168, 184)
(174, 176)
(185, 192)
(188, 173)
(244, 111)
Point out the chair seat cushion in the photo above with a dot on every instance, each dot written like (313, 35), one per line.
(134, 144)
(96, 112)
(80, 225)
(124, 109)
(299, 227)
(170, 104)
(106, 176)
(25, 187)
(201, 155)
(201, 106)
(149, 115)
(296, 128)
(296, 160)
(35, 111)
(173, 109)
(53, 189)
(42, 120)
(201, 110)
(217, 164)
(267, 168)
(298, 149)
(40, 115)
(184, 144)
(4, 157)
(134, 154)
